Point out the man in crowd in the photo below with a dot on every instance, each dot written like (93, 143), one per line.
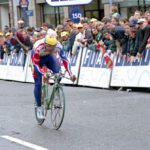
(143, 24)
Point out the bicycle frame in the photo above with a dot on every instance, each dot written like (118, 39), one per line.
(48, 98)
(53, 100)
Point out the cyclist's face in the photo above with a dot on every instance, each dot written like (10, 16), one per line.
(50, 48)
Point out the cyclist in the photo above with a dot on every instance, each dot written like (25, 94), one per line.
(44, 54)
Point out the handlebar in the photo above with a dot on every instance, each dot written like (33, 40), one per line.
(56, 76)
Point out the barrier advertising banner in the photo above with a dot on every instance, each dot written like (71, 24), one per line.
(17, 66)
(132, 74)
(3, 67)
(75, 63)
(93, 70)
(13, 67)
(29, 77)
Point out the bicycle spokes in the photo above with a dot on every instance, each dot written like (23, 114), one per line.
(58, 108)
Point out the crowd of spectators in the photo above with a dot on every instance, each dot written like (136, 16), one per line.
(118, 35)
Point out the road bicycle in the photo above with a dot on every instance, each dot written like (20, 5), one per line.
(53, 99)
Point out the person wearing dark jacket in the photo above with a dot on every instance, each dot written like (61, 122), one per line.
(109, 42)
(143, 23)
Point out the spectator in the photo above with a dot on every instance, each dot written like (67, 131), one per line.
(65, 41)
(147, 16)
(100, 29)
(79, 40)
(118, 33)
(93, 22)
(72, 35)
(6, 29)
(96, 35)
(27, 42)
(115, 21)
(115, 12)
(148, 43)
(2, 40)
(125, 40)
(70, 22)
(131, 42)
(45, 26)
(109, 42)
(8, 45)
(59, 29)
(143, 23)
(88, 33)
(137, 14)
(123, 21)
(21, 24)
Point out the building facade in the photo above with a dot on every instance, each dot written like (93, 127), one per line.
(42, 12)
(38, 11)
(4, 13)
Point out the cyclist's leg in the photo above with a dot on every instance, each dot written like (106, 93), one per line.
(37, 87)
(53, 64)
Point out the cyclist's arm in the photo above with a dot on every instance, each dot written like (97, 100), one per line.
(35, 61)
(65, 61)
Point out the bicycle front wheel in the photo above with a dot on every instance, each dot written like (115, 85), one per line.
(58, 107)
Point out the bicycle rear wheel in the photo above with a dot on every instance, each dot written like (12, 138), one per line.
(58, 107)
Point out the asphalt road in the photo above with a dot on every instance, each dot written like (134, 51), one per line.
(95, 119)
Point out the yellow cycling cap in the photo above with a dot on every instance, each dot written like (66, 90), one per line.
(50, 40)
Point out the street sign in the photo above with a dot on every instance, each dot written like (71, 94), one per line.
(29, 12)
(67, 2)
(75, 14)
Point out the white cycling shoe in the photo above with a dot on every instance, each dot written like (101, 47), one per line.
(40, 112)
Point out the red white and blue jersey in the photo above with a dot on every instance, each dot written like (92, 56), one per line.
(39, 51)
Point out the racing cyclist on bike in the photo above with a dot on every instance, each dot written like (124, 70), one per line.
(44, 54)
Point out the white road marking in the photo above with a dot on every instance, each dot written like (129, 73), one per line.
(24, 143)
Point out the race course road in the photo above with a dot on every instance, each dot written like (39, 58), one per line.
(95, 119)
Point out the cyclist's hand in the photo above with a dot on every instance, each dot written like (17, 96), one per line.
(73, 78)
(45, 78)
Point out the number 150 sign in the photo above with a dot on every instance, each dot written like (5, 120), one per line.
(67, 2)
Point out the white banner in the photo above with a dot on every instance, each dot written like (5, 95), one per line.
(29, 76)
(136, 74)
(13, 67)
(93, 70)
(75, 63)
(3, 67)
(17, 66)
(67, 2)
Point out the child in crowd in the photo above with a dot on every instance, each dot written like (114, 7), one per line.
(65, 41)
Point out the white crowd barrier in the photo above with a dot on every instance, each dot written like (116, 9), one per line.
(13, 68)
(90, 68)
(135, 74)
(75, 65)
(93, 71)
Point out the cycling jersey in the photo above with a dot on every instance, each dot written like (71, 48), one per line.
(40, 52)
